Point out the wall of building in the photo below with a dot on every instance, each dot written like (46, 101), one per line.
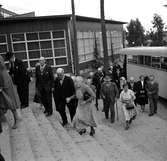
(31, 39)
(90, 39)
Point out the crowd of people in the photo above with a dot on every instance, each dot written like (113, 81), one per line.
(80, 94)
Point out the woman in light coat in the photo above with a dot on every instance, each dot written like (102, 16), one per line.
(85, 110)
(127, 98)
(8, 95)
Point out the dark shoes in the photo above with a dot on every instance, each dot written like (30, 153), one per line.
(45, 111)
(64, 124)
(92, 131)
(127, 125)
(151, 114)
(82, 131)
(24, 106)
(0, 128)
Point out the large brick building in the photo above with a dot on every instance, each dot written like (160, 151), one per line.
(51, 37)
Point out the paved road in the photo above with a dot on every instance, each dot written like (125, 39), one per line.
(147, 134)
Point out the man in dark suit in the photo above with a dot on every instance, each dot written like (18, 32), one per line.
(20, 77)
(64, 92)
(152, 92)
(97, 79)
(117, 74)
(141, 93)
(44, 85)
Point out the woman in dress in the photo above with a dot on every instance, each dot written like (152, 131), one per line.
(127, 98)
(8, 95)
(141, 93)
(85, 111)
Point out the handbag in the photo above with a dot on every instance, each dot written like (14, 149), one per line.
(86, 96)
(130, 106)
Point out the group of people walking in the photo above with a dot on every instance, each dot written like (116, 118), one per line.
(67, 91)
(79, 94)
(113, 86)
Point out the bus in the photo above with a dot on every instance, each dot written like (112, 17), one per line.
(148, 61)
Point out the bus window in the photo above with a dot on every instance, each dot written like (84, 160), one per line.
(132, 59)
(156, 62)
(141, 59)
(147, 60)
(164, 63)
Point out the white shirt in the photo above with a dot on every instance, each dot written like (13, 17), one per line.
(142, 83)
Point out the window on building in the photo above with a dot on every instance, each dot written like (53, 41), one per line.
(147, 60)
(141, 59)
(44, 35)
(32, 36)
(49, 44)
(86, 45)
(116, 37)
(164, 63)
(18, 37)
(132, 59)
(156, 62)
(3, 45)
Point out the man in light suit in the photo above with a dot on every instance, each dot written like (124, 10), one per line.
(152, 92)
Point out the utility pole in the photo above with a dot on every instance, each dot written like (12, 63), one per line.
(125, 56)
(74, 38)
(104, 37)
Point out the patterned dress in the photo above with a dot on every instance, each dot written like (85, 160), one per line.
(128, 96)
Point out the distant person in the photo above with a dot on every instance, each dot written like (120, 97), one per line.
(141, 93)
(64, 94)
(127, 98)
(133, 86)
(85, 111)
(37, 98)
(152, 92)
(2, 158)
(9, 98)
(96, 81)
(44, 85)
(122, 82)
(109, 94)
(20, 77)
(117, 74)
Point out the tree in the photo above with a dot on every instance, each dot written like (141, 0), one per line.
(135, 35)
(157, 33)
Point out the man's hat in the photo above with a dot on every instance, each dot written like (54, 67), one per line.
(8, 55)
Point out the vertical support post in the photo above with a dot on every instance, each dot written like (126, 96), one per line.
(74, 44)
(125, 56)
(104, 37)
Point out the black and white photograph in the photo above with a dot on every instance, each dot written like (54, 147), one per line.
(83, 80)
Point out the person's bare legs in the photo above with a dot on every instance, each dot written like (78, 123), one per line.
(16, 119)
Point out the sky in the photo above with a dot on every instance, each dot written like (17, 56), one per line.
(121, 10)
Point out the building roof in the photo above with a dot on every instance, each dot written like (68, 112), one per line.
(148, 51)
(60, 17)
